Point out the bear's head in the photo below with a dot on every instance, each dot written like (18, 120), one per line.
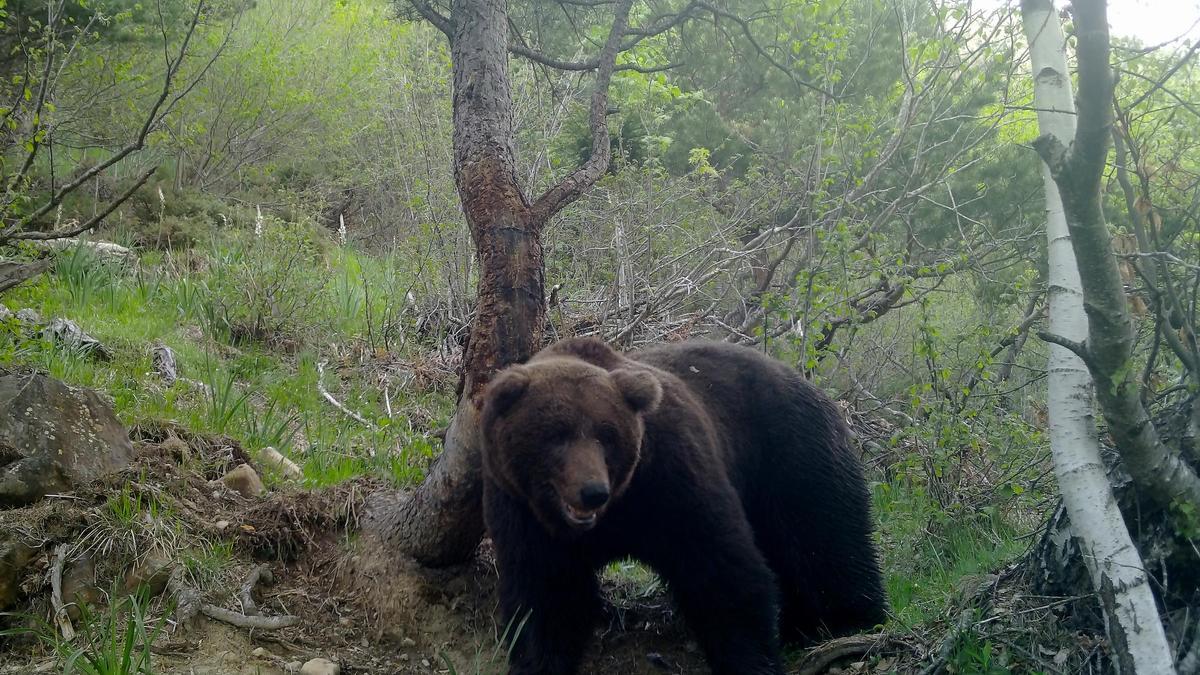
(565, 435)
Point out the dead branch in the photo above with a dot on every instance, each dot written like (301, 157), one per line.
(60, 610)
(334, 402)
(250, 622)
(259, 573)
(820, 658)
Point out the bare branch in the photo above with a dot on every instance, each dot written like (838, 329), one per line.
(571, 187)
(439, 21)
(89, 224)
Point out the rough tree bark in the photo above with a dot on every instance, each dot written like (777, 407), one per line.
(441, 522)
(1132, 621)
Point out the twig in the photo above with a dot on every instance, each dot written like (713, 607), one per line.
(252, 622)
(259, 573)
(329, 397)
(60, 611)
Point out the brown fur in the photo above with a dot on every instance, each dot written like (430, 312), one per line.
(720, 468)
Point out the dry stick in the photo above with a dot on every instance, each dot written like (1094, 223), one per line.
(329, 397)
(259, 573)
(819, 659)
(252, 622)
(60, 611)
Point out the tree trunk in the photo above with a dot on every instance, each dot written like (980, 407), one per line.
(1107, 347)
(1114, 565)
(441, 523)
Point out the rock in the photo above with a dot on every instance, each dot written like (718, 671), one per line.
(244, 481)
(79, 585)
(320, 667)
(292, 666)
(104, 250)
(221, 525)
(15, 555)
(68, 334)
(153, 573)
(6, 313)
(261, 653)
(271, 457)
(29, 315)
(162, 358)
(54, 436)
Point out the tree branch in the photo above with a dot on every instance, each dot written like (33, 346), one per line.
(89, 224)
(439, 21)
(571, 187)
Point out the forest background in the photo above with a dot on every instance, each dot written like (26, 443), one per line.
(848, 185)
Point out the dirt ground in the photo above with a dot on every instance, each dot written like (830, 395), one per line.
(369, 614)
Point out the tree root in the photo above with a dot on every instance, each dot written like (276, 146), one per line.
(252, 622)
(259, 573)
(821, 657)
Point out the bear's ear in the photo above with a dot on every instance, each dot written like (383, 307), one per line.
(504, 391)
(640, 388)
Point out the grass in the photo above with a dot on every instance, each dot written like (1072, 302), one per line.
(114, 640)
(236, 384)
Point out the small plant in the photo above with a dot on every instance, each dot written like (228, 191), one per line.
(494, 662)
(112, 641)
(225, 402)
(85, 274)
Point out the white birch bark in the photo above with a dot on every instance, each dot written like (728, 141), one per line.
(1118, 576)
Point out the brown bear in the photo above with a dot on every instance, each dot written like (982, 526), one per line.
(720, 468)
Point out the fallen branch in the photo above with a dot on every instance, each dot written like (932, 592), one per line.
(259, 573)
(251, 622)
(820, 658)
(13, 273)
(329, 397)
(60, 610)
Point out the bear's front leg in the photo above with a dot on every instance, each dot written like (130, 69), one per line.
(549, 598)
(727, 593)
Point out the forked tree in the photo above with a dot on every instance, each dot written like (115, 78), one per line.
(441, 522)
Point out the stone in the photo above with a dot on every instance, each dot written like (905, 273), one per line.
(292, 666)
(67, 333)
(15, 555)
(244, 480)
(103, 250)
(54, 436)
(320, 666)
(29, 315)
(154, 572)
(6, 313)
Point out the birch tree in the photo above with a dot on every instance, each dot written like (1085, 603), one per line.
(1118, 576)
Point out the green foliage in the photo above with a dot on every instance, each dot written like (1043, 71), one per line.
(114, 640)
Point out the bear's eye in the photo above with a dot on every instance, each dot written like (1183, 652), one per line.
(607, 435)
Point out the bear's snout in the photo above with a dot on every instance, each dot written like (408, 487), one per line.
(594, 495)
